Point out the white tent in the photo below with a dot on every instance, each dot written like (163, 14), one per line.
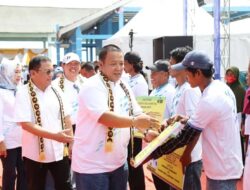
(160, 18)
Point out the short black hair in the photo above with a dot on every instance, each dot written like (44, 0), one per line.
(208, 73)
(88, 66)
(35, 62)
(179, 53)
(106, 49)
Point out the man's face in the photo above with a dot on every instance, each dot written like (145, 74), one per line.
(193, 79)
(173, 73)
(43, 76)
(71, 69)
(113, 65)
(86, 73)
(158, 78)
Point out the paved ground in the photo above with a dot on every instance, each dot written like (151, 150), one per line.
(150, 185)
(149, 180)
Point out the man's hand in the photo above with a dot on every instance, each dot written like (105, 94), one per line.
(3, 151)
(150, 135)
(177, 118)
(185, 161)
(144, 121)
(70, 150)
(63, 136)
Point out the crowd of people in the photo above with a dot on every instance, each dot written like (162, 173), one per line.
(74, 124)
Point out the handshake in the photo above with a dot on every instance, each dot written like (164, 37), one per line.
(155, 128)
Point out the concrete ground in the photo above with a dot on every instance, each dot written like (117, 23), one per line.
(149, 180)
(150, 184)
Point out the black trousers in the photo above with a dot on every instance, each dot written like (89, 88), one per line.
(37, 172)
(13, 170)
(160, 184)
(136, 175)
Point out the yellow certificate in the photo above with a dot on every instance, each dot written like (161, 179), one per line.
(158, 141)
(154, 106)
(168, 167)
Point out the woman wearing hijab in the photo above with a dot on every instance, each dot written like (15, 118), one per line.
(232, 80)
(10, 132)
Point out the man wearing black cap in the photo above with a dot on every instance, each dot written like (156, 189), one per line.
(161, 87)
(159, 79)
(216, 119)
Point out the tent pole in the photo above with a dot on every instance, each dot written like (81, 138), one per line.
(217, 58)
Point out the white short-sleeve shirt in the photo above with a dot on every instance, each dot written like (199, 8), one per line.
(138, 85)
(89, 154)
(168, 91)
(184, 103)
(10, 132)
(51, 120)
(71, 90)
(217, 118)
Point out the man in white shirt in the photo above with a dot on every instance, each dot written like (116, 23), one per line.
(87, 70)
(70, 82)
(216, 119)
(44, 116)
(159, 79)
(184, 103)
(107, 110)
(161, 87)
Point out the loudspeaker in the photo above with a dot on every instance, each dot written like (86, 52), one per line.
(201, 3)
(163, 45)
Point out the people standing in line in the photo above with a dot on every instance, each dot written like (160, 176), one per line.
(107, 111)
(133, 65)
(44, 115)
(161, 88)
(232, 80)
(246, 111)
(184, 103)
(87, 70)
(13, 176)
(216, 119)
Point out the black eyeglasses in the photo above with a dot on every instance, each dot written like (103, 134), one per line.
(47, 72)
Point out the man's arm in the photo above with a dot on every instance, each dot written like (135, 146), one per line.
(142, 121)
(186, 135)
(61, 136)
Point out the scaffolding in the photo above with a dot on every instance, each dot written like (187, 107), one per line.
(225, 35)
(221, 37)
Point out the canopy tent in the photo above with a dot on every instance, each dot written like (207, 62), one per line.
(160, 18)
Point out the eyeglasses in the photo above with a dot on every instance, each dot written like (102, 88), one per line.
(47, 72)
